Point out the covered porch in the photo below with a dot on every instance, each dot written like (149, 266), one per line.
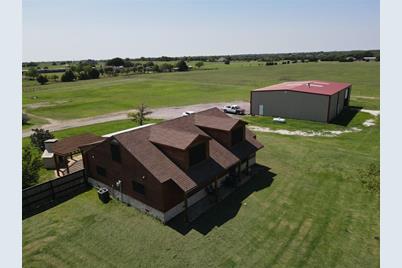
(67, 154)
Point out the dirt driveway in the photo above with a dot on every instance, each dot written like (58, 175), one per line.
(157, 113)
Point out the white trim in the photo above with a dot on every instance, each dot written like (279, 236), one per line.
(126, 130)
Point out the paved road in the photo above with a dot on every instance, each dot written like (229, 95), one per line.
(157, 113)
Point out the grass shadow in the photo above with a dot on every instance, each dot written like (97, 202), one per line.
(346, 116)
(226, 209)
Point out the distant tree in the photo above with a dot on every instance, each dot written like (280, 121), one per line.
(377, 58)
(166, 67)
(54, 63)
(139, 115)
(68, 76)
(93, 73)
(32, 73)
(45, 68)
(182, 66)
(54, 77)
(25, 119)
(83, 75)
(115, 62)
(31, 164)
(199, 64)
(156, 68)
(42, 79)
(226, 61)
(39, 136)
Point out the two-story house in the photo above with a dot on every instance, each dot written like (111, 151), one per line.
(163, 169)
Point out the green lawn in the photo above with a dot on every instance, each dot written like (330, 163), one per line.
(221, 83)
(314, 214)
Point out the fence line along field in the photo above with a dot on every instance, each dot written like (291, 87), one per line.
(223, 83)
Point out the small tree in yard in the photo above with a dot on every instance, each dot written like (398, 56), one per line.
(39, 136)
(199, 64)
(31, 164)
(42, 79)
(139, 115)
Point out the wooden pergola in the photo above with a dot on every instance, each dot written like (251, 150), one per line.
(70, 146)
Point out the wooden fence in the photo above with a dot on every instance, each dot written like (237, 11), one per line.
(43, 196)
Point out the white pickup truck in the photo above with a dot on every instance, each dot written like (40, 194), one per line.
(233, 109)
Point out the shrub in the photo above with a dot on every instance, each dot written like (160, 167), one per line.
(39, 136)
(31, 164)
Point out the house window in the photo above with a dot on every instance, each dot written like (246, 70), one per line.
(237, 135)
(101, 171)
(138, 187)
(198, 153)
(115, 150)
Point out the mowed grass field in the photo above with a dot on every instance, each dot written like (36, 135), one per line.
(315, 213)
(310, 210)
(216, 83)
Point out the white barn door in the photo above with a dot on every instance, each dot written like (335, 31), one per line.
(261, 109)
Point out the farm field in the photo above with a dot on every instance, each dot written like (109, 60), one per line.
(220, 83)
(310, 211)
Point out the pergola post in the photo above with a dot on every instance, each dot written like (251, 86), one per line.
(66, 161)
(56, 160)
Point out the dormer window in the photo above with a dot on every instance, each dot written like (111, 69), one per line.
(197, 153)
(115, 151)
(237, 135)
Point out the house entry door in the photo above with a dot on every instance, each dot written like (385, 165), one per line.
(261, 109)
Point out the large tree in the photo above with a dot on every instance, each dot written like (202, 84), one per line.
(116, 62)
(31, 164)
(39, 136)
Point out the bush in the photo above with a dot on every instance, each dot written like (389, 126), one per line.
(42, 79)
(39, 136)
(31, 164)
(68, 76)
(25, 119)
(227, 61)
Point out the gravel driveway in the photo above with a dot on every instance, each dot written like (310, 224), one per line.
(157, 113)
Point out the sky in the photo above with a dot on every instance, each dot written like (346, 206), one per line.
(102, 29)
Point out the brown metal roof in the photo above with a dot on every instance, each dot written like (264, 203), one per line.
(71, 144)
